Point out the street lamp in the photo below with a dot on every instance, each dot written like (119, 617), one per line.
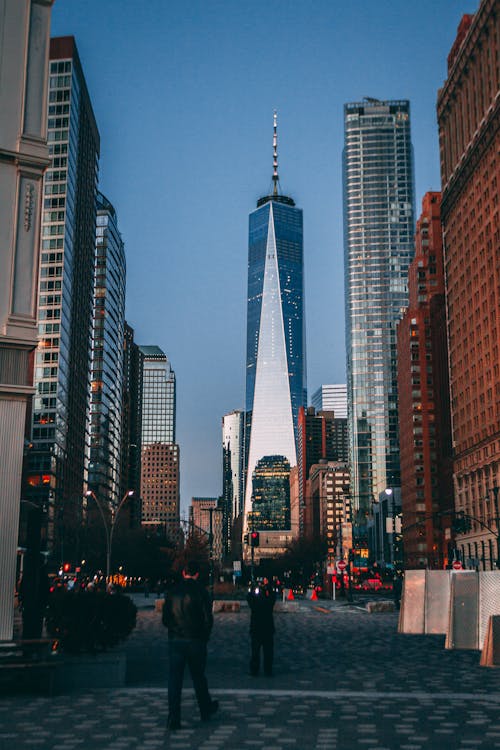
(111, 528)
(496, 518)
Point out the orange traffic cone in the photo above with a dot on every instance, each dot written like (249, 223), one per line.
(290, 595)
(314, 596)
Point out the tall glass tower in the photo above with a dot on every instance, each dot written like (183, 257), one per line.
(275, 374)
(106, 382)
(378, 246)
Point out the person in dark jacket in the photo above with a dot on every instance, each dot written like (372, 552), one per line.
(187, 613)
(261, 599)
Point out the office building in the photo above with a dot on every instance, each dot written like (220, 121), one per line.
(106, 386)
(24, 30)
(56, 473)
(468, 111)
(160, 473)
(331, 398)
(271, 494)
(275, 373)
(424, 404)
(378, 246)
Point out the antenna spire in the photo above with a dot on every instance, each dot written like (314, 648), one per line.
(275, 154)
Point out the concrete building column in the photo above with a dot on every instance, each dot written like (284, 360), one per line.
(24, 51)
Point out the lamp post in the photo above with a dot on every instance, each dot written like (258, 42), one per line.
(111, 528)
(496, 518)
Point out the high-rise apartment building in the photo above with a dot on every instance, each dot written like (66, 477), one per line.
(60, 440)
(106, 399)
(469, 134)
(24, 31)
(331, 398)
(275, 373)
(424, 404)
(160, 473)
(378, 246)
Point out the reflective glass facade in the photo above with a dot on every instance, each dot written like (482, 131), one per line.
(107, 356)
(271, 494)
(275, 375)
(57, 461)
(378, 242)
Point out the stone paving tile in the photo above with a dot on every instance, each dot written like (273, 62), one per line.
(344, 680)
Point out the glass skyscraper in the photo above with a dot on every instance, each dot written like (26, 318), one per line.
(378, 245)
(275, 362)
(107, 357)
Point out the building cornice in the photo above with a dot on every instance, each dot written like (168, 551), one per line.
(466, 168)
(470, 43)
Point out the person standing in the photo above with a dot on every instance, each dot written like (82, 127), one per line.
(261, 599)
(187, 613)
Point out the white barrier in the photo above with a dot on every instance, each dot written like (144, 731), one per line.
(455, 603)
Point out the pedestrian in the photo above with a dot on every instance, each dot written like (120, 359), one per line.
(261, 598)
(187, 613)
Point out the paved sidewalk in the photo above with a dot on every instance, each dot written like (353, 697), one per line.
(344, 680)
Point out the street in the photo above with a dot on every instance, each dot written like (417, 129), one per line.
(344, 680)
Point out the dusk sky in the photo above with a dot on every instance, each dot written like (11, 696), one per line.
(184, 94)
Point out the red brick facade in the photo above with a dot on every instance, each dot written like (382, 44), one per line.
(469, 128)
(425, 449)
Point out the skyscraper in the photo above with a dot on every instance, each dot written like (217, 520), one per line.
(24, 31)
(275, 373)
(57, 461)
(159, 453)
(468, 111)
(378, 247)
(107, 357)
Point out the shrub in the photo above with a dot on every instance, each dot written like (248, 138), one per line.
(89, 621)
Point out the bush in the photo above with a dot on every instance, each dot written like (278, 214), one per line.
(89, 621)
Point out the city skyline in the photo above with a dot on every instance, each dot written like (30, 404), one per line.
(209, 136)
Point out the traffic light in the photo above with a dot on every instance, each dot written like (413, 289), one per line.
(245, 538)
(66, 567)
(254, 539)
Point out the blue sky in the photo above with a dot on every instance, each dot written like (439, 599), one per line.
(184, 94)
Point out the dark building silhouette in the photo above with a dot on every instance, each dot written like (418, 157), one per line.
(131, 425)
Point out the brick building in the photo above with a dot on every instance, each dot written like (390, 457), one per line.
(424, 421)
(468, 111)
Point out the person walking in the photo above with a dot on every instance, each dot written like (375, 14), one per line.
(187, 613)
(261, 599)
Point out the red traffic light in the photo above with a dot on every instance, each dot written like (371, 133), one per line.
(67, 567)
(254, 539)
